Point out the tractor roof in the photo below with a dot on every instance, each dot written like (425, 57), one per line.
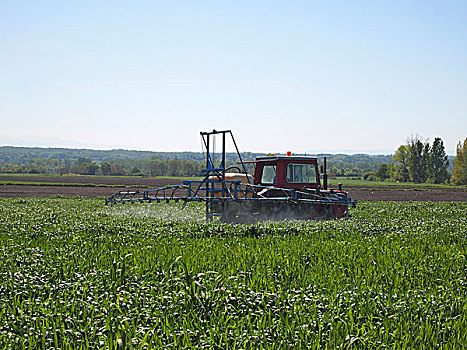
(269, 158)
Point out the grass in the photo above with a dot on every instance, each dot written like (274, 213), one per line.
(77, 274)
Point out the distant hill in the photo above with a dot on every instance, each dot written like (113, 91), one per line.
(21, 155)
(130, 162)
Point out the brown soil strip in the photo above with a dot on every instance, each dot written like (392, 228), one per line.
(47, 191)
(368, 194)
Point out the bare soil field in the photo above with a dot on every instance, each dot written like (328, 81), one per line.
(48, 191)
(125, 183)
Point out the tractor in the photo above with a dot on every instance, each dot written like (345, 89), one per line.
(282, 188)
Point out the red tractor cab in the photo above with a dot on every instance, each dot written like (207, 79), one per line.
(287, 172)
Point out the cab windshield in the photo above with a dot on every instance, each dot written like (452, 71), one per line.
(301, 173)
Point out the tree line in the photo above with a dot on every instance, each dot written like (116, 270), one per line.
(419, 161)
(119, 167)
(20, 155)
(339, 165)
(95, 162)
(416, 161)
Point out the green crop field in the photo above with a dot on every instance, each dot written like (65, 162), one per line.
(75, 274)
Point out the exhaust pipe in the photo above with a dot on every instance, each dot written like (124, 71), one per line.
(325, 174)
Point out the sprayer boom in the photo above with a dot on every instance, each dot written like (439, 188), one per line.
(283, 187)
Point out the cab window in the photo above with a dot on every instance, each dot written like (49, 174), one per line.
(269, 175)
(301, 173)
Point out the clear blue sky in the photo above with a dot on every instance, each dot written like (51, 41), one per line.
(306, 76)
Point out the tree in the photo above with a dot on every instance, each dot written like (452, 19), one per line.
(402, 158)
(333, 171)
(135, 170)
(419, 162)
(117, 169)
(459, 167)
(383, 172)
(438, 163)
(173, 167)
(392, 171)
(84, 166)
(158, 168)
(426, 161)
(418, 159)
(106, 168)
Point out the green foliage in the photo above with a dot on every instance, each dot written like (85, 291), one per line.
(75, 274)
(459, 171)
(401, 157)
(418, 159)
(354, 165)
(419, 162)
(84, 166)
(106, 168)
(370, 176)
(383, 172)
(438, 163)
